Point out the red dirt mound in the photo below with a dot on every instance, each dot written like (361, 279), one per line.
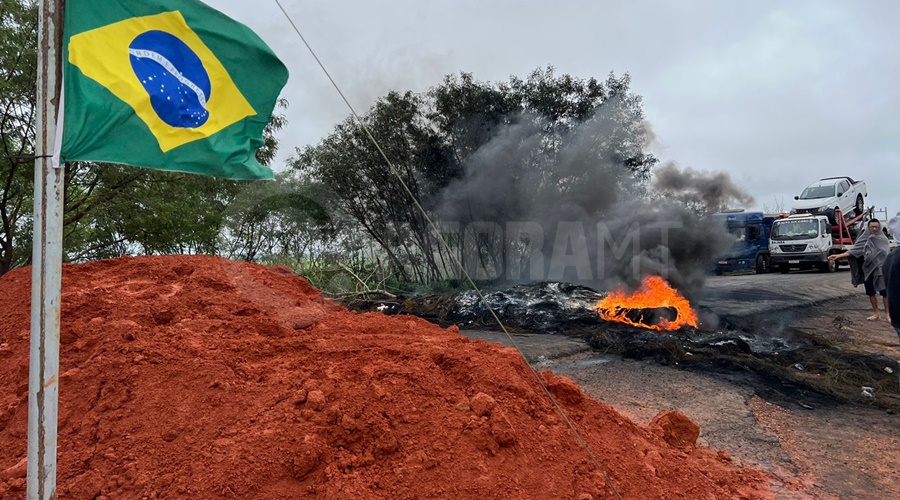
(197, 377)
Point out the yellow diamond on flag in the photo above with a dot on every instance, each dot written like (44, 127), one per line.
(164, 71)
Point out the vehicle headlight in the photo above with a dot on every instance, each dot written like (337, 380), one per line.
(822, 209)
(793, 211)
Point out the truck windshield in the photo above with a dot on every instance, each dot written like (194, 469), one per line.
(795, 229)
(739, 233)
(814, 192)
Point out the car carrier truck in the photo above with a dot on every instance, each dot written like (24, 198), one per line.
(804, 241)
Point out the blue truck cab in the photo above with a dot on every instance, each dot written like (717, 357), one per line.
(750, 250)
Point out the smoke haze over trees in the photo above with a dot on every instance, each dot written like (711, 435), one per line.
(545, 177)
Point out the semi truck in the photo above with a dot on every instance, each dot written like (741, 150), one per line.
(750, 250)
(805, 241)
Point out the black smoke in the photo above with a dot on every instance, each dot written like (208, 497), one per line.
(599, 223)
(706, 191)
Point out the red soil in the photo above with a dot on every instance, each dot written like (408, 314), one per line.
(197, 377)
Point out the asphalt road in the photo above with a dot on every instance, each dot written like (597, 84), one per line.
(755, 293)
(745, 301)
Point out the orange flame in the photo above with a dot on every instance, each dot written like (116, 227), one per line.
(655, 292)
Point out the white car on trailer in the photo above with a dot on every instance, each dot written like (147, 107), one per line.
(831, 194)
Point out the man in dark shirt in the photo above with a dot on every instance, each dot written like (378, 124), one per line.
(891, 272)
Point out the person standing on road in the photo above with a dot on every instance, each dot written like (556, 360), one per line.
(867, 257)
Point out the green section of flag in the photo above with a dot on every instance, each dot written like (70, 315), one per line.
(170, 85)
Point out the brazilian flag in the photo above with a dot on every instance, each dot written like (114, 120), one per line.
(166, 84)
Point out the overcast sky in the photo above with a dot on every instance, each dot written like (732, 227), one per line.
(778, 94)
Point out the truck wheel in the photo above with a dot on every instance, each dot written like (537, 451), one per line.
(860, 204)
(828, 267)
(762, 265)
(836, 216)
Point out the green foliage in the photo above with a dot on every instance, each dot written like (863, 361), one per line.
(18, 70)
(351, 167)
(115, 210)
(267, 152)
(278, 221)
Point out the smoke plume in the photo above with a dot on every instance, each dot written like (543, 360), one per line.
(712, 191)
(588, 219)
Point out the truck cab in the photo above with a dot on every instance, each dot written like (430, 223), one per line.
(750, 250)
(804, 241)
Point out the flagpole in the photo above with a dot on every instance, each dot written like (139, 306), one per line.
(46, 278)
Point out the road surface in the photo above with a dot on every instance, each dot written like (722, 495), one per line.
(762, 293)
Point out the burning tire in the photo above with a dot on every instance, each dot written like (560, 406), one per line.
(655, 306)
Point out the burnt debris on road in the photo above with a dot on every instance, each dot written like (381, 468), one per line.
(756, 338)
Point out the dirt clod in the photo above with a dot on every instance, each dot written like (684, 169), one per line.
(482, 404)
(676, 428)
(565, 390)
(316, 400)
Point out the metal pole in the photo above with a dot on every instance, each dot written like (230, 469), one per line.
(46, 278)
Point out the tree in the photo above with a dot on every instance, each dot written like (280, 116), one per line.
(473, 151)
(131, 211)
(18, 69)
(348, 164)
(777, 206)
(281, 220)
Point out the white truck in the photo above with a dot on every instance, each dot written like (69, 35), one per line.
(805, 241)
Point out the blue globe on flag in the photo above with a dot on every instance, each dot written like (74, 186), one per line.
(174, 77)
